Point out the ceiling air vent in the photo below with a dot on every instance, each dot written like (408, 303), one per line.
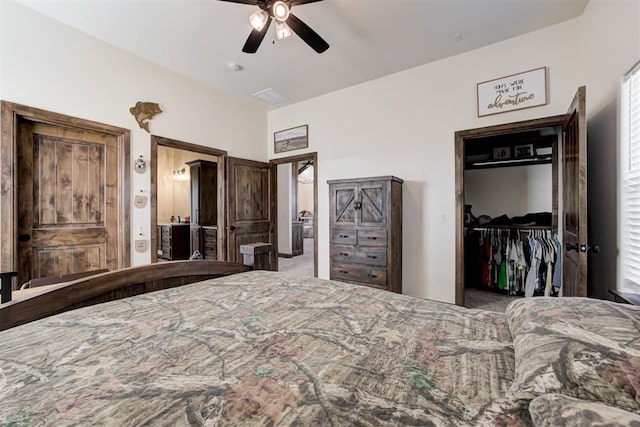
(270, 96)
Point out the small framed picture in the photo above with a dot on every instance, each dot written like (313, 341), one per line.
(502, 153)
(523, 151)
(291, 139)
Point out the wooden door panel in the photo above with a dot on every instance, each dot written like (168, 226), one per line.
(67, 201)
(574, 177)
(251, 187)
(250, 207)
(68, 236)
(67, 182)
(52, 262)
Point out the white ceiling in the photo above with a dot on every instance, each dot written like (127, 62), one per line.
(368, 38)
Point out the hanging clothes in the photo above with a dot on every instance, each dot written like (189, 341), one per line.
(514, 261)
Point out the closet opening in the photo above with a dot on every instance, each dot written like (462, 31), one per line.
(508, 182)
(510, 216)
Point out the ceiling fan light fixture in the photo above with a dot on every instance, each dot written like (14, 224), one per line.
(280, 10)
(282, 30)
(258, 19)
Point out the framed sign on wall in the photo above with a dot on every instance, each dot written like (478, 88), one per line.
(514, 92)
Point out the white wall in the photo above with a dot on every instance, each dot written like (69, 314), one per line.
(404, 125)
(285, 206)
(512, 191)
(305, 197)
(59, 69)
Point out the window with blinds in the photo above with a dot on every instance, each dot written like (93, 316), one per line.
(629, 207)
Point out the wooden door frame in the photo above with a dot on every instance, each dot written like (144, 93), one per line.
(274, 186)
(153, 189)
(10, 115)
(460, 139)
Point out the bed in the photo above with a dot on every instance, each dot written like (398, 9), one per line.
(268, 348)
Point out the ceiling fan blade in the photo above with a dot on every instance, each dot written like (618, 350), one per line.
(299, 2)
(305, 32)
(251, 2)
(255, 38)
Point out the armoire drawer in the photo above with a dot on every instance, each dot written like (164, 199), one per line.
(359, 255)
(344, 236)
(372, 236)
(359, 274)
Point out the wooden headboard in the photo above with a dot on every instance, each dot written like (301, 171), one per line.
(111, 286)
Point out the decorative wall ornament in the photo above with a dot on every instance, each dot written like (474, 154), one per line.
(140, 200)
(514, 92)
(140, 165)
(143, 112)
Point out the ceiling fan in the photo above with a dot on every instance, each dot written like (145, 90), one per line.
(280, 10)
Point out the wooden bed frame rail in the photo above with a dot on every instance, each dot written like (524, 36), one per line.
(111, 286)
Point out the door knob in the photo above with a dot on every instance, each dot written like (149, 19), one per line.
(231, 227)
(571, 247)
(24, 238)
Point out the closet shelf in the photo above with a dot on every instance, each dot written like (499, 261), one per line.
(527, 161)
(509, 227)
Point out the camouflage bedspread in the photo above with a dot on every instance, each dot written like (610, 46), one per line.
(261, 348)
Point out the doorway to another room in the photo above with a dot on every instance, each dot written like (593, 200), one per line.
(187, 212)
(297, 202)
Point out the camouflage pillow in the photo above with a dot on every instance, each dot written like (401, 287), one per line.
(578, 347)
(551, 410)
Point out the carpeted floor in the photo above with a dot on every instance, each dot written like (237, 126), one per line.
(486, 300)
(301, 265)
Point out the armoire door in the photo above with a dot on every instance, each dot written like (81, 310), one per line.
(372, 198)
(343, 202)
(574, 189)
(250, 208)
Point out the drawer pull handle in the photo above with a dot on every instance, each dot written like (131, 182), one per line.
(344, 272)
(372, 238)
(343, 236)
(373, 276)
(372, 256)
(344, 254)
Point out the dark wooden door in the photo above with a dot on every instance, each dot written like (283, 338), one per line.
(574, 189)
(67, 201)
(250, 208)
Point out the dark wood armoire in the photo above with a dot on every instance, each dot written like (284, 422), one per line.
(366, 231)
